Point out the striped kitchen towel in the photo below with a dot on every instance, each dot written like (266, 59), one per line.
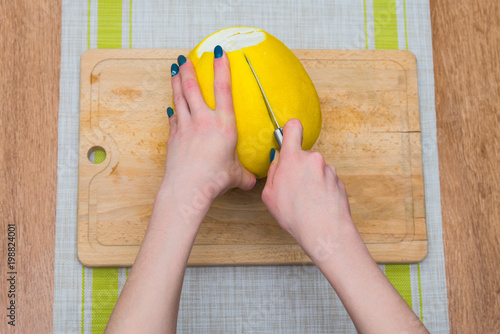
(283, 299)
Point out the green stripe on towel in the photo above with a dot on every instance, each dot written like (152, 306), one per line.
(105, 280)
(386, 24)
(104, 284)
(109, 24)
(104, 296)
(399, 275)
(386, 37)
(366, 24)
(420, 293)
(83, 300)
(130, 25)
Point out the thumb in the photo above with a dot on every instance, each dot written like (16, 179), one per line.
(274, 156)
(292, 135)
(247, 180)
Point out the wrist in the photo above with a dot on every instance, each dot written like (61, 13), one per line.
(198, 189)
(336, 242)
(172, 229)
(188, 199)
(178, 212)
(342, 257)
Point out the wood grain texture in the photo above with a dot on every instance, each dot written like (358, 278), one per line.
(466, 40)
(29, 80)
(370, 133)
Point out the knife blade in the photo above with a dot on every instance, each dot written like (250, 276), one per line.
(278, 132)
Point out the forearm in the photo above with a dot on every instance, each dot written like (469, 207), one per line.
(149, 301)
(368, 296)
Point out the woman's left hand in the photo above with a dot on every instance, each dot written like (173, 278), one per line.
(201, 159)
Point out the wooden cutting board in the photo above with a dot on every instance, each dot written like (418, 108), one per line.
(370, 133)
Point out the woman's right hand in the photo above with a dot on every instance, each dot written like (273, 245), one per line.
(310, 202)
(305, 195)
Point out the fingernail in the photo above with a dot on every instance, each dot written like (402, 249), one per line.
(174, 69)
(181, 60)
(170, 112)
(218, 51)
(271, 155)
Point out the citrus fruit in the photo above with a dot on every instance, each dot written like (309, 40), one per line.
(289, 90)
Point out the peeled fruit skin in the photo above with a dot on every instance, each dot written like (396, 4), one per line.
(287, 85)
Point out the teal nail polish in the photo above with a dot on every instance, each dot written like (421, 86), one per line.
(218, 51)
(174, 69)
(170, 112)
(271, 155)
(181, 60)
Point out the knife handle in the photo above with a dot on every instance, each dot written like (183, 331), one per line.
(278, 134)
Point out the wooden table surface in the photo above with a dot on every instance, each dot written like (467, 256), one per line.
(466, 44)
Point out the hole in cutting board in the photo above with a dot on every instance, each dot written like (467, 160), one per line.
(96, 154)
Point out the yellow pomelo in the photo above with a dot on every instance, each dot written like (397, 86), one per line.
(287, 85)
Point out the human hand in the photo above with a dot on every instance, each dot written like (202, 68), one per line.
(303, 193)
(201, 155)
(310, 202)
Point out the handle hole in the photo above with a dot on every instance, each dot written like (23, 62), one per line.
(96, 154)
